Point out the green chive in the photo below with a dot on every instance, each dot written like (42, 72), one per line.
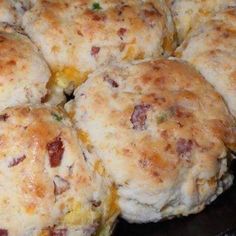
(161, 118)
(96, 6)
(57, 117)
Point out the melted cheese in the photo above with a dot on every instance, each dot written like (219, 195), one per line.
(64, 77)
(168, 43)
(99, 168)
(84, 138)
(113, 208)
(130, 53)
(79, 215)
(44, 232)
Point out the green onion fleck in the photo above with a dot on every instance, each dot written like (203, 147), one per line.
(57, 117)
(161, 118)
(96, 6)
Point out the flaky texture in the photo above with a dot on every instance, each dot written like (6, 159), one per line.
(22, 6)
(11, 11)
(46, 187)
(8, 13)
(161, 132)
(23, 72)
(211, 48)
(76, 37)
(188, 14)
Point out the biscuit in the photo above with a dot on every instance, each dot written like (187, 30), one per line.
(162, 133)
(8, 13)
(46, 186)
(211, 48)
(188, 14)
(23, 72)
(77, 37)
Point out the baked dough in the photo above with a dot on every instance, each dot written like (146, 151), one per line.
(77, 37)
(161, 132)
(211, 48)
(11, 11)
(46, 187)
(188, 14)
(8, 13)
(23, 71)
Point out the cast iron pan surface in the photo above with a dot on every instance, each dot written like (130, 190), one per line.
(218, 219)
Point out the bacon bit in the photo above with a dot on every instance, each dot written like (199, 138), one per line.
(95, 51)
(3, 232)
(153, 12)
(121, 32)
(2, 39)
(96, 17)
(60, 185)
(58, 232)
(55, 152)
(16, 161)
(184, 146)
(156, 174)
(143, 163)
(180, 124)
(112, 82)
(180, 113)
(96, 203)
(79, 33)
(4, 117)
(139, 116)
(45, 98)
(167, 147)
(150, 16)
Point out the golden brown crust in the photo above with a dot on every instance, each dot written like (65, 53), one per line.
(8, 13)
(158, 127)
(98, 31)
(77, 37)
(188, 14)
(23, 71)
(45, 181)
(211, 49)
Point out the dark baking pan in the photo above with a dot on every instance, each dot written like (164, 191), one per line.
(218, 219)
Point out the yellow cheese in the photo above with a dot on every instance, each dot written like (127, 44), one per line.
(44, 232)
(79, 215)
(113, 208)
(130, 53)
(98, 167)
(84, 138)
(64, 77)
(168, 43)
